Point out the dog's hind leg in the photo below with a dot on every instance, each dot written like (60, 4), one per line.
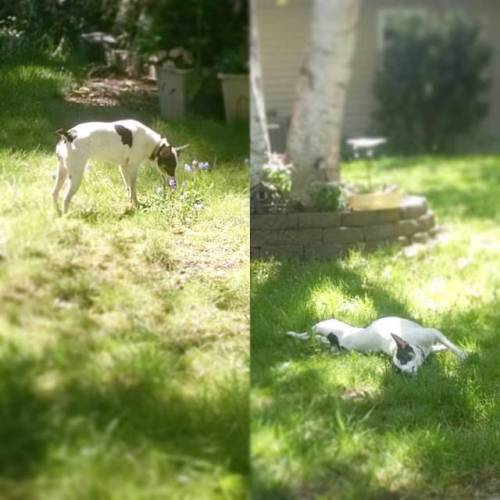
(75, 168)
(60, 179)
(442, 339)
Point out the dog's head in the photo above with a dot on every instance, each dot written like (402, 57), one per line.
(407, 358)
(167, 157)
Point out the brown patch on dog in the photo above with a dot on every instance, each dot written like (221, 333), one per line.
(67, 135)
(125, 135)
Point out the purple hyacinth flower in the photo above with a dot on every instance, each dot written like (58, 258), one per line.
(203, 165)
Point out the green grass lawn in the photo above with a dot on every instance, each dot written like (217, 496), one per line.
(347, 426)
(123, 334)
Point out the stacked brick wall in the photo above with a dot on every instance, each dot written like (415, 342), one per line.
(310, 235)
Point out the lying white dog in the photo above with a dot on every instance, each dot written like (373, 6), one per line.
(406, 342)
(126, 143)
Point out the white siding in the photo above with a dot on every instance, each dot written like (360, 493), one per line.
(284, 28)
(283, 31)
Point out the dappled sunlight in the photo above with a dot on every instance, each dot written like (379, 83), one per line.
(348, 422)
(124, 333)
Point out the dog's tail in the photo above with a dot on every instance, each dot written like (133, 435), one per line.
(300, 336)
(65, 134)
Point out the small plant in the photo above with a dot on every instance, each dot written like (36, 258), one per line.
(233, 59)
(278, 173)
(326, 196)
(366, 148)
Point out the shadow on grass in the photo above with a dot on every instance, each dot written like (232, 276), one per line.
(283, 296)
(33, 107)
(141, 410)
(445, 417)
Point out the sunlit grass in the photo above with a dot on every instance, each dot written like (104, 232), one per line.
(348, 426)
(123, 334)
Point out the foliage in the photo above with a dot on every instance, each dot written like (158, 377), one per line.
(278, 173)
(326, 196)
(347, 426)
(123, 334)
(215, 32)
(41, 24)
(233, 59)
(431, 87)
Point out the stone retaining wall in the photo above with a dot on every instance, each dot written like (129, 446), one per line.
(309, 235)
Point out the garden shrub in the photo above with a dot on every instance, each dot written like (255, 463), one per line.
(325, 197)
(431, 87)
(215, 32)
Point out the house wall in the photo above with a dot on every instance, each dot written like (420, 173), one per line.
(284, 30)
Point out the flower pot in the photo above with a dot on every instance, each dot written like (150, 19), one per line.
(236, 96)
(172, 90)
(375, 201)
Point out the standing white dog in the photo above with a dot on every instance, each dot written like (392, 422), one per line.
(406, 342)
(126, 143)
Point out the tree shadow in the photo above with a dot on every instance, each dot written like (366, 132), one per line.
(281, 296)
(143, 412)
(34, 106)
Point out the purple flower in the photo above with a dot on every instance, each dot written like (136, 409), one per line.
(172, 184)
(203, 165)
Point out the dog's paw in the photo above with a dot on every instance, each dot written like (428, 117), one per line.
(300, 336)
(322, 339)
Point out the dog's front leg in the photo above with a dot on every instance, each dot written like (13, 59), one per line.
(133, 184)
(129, 176)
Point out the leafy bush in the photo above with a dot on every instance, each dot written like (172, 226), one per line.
(215, 32)
(278, 173)
(42, 23)
(432, 83)
(207, 28)
(326, 196)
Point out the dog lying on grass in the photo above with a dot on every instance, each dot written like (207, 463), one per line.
(407, 343)
(126, 143)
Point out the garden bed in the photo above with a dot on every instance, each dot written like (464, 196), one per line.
(309, 235)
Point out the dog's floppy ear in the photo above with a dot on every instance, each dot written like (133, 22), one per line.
(399, 341)
(165, 151)
(180, 148)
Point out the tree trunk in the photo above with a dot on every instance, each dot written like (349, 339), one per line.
(314, 139)
(260, 148)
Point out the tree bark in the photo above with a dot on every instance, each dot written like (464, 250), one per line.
(314, 139)
(260, 147)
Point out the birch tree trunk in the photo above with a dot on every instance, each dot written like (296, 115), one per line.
(314, 139)
(260, 148)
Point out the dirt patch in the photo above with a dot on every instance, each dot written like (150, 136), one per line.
(141, 94)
